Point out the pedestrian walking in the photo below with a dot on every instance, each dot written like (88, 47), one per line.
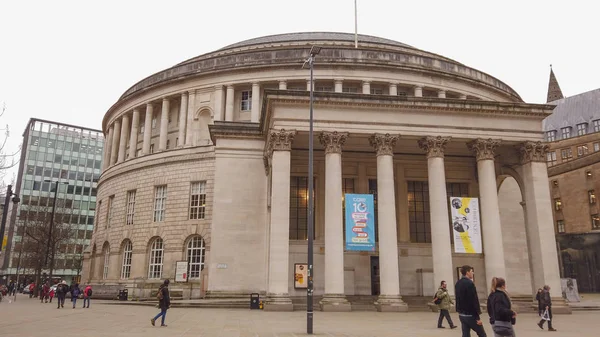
(546, 303)
(499, 308)
(164, 302)
(538, 298)
(445, 302)
(61, 292)
(51, 293)
(31, 289)
(44, 292)
(87, 295)
(467, 304)
(75, 293)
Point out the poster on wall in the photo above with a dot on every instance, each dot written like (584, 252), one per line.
(360, 222)
(465, 225)
(181, 271)
(300, 275)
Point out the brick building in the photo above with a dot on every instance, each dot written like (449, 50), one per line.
(573, 133)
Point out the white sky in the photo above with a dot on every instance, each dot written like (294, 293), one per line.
(69, 61)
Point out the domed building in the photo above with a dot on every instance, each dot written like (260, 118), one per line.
(205, 168)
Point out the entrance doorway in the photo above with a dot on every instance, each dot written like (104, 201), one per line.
(375, 275)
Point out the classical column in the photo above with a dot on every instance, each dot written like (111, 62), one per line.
(191, 108)
(229, 103)
(441, 93)
(182, 119)
(390, 299)
(114, 148)
(164, 124)
(147, 129)
(490, 213)
(280, 146)
(123, 138)
(282, 85)
(219, 96)
(334, 298)
(438, 209)
(338, 84)
(133, 138)
(539, 221)
(107, 148)
(366, 87)
(393, 89)
(418, 91)
(255, 112)
(308, 84)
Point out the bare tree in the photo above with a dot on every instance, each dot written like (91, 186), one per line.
(7, 160)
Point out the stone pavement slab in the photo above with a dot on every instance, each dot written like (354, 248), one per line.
(27, 317)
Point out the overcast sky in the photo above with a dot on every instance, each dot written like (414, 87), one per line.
(69, 61)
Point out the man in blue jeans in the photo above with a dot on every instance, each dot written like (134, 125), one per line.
(467, 304)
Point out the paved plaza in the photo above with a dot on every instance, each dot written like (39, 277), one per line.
(27, 317)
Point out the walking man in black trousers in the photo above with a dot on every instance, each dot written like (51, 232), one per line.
(467, 304)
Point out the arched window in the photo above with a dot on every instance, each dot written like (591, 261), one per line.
(126, 267)
(106, 261)
(156, 259)
(195, 257)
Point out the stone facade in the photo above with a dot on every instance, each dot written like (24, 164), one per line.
(411, 138)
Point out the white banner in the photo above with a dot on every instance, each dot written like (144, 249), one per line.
(181, 271)
(465, 225)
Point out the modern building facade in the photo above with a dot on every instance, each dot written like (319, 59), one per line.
(70, 157)
(573, 133)
(206, 163)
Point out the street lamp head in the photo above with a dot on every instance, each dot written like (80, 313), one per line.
(315, 50)
(16, 199)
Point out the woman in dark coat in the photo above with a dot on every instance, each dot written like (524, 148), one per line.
(499, 309)
(164, 302)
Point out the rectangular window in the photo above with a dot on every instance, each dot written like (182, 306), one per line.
(551, 158)
(581, 129)
(177, 141)
(160, 203)
(566, 154)
(323, 88)
(566, 132)
(130, 207)
(560, 226)
(246, 104)
(198, 200)
(596, 146)
(110, 211)
(376, 91)
(352, 90)
(595, 221)
(582, 150)
(126, 267)
(592, 196)
(98, 210)
(596, 125)
(557, 204)
(141, 127)
(151, 148)
(168, 144)
(551, 135)
(154, 121)
(299, 208)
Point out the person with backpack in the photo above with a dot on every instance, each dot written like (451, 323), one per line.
(164, 302)
(87, 294)
(444, 301)
(502, 317)
(75, 291)
(61, 292)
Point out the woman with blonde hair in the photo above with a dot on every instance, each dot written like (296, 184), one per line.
(502, 317)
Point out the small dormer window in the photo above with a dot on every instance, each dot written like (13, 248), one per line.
(565, 132)
(596, 125)
(551, 135)
(581, 129)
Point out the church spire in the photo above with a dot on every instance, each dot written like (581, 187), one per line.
(554, 92)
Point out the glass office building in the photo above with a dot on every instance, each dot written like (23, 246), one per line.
(70, 157)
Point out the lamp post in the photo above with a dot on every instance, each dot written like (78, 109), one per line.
(314, 51)
(50, 241)
(15, 199)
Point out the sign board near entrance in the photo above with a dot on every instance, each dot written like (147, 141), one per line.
(360, 222)
(181, 271)
(465, 225)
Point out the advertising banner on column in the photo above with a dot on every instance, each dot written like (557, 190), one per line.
(360, 222)
(465, 224)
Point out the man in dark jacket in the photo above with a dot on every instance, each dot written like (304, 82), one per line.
(164, 302)
(467, 304)
(545, 302)
(61, 292)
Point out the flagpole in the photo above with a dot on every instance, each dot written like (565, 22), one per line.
(355, 25)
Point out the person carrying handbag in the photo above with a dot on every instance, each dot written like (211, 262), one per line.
(502, 317)
(546, 303)
(164, 302)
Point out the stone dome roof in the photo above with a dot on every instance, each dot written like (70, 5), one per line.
(314, 36)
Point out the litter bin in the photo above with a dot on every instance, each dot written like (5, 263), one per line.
(123, 295)
(254, 301)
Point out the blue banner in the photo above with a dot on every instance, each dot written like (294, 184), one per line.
(360, 222)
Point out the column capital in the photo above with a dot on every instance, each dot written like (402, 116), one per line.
(434, 146)
(533, 152)
(338, 80)
(484, 149)
(165, 99)
(333, 141)
(418, 86)
(383, 144)
(183, 94)
(366, 82)
(281, 140)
